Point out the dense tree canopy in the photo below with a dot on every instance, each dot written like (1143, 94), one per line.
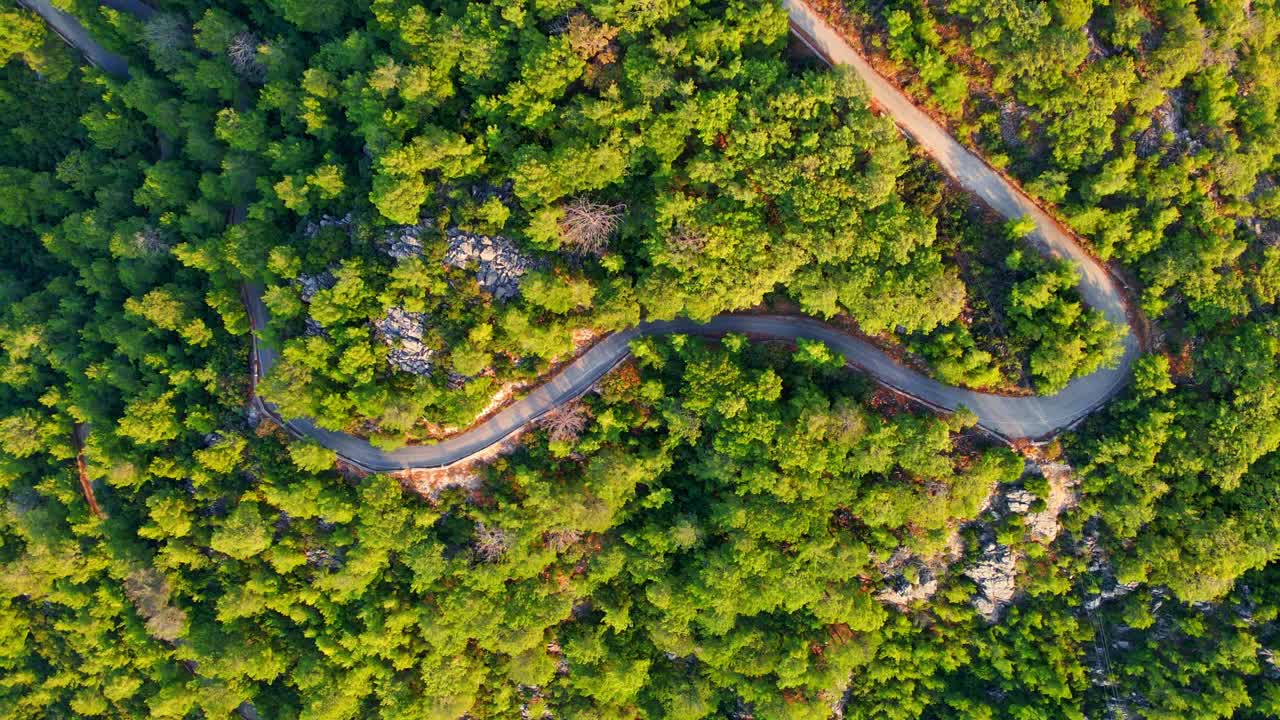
(442, 200)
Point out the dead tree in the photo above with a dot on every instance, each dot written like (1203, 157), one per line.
(490, 543)
(587, 227)
(588, 37)
(566, 423)
(243, 53)
(149, 240)
(149, 593)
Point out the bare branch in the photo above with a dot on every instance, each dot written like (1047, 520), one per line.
(243, 53)
(165, 34)
(490, 543)
(566, 423)
(587, 227)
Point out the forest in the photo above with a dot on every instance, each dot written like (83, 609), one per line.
(445, 201)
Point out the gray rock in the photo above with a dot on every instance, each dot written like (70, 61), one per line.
(312, 328)
(403, 331)
(252, 415)
(309, 285)
(996, 575)
(1019, 501)
(908, 579)
(405, 241)
(499, 264)
(344, 223)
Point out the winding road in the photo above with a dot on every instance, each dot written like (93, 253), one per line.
(1004, 416)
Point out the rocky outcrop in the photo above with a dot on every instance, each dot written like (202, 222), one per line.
(484, 191)
(405, 241)
(402, 331)
(1044, 525)
(908, 580)
(346, 223)
(312, 328)
(310, 284)
(1267, 231)
(1012, 118)
(1167, 122)
(1100, 567)
(499, 264)
(996, 574)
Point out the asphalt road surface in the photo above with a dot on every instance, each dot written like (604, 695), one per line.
(74, 34)
(1008, 417)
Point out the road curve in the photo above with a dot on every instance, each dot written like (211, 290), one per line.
(1008, 417)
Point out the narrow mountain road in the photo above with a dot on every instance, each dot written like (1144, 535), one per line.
(74, 34)
(1008, 417)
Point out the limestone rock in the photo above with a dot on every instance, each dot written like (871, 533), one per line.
(405, 241)
(309, 285)
(901, 591)
(1019, 501)
(346, 223)
(481, 192)
(402, 331)
(995, 573)
(499, 264)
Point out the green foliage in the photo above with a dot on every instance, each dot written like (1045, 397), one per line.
(1065, 339)
(242, 534)
(312, 456)
(717, 537)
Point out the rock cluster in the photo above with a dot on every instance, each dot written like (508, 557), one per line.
(323, 559)
(312, 328)
(309, 285)
(1268, 231)
(252, 415)
(499, 264)
(402, 331)
(1018, 500)
(405, 241)
(1101, 568)
(346, 223)
(1167, 119)
(1043, 525)
(1097, 50)
(900, 590)
(995, 573)
(483, 191)
(1012, 119)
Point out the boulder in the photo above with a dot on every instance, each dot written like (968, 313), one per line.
(405, 241)
(309, 285)
(314, 226)
(499, 264)
(996, 575)
(402, 331)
